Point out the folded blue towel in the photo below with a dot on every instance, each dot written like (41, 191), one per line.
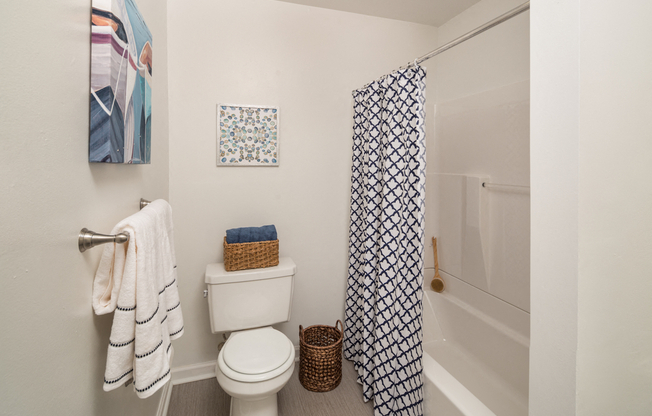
(251, 234)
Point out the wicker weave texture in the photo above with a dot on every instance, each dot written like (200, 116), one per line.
(250, 255)
(320, 357)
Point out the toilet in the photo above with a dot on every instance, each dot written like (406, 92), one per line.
(256, 360)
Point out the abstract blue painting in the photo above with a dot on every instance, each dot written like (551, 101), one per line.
(121, 80)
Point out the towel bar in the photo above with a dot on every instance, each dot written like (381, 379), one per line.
(515, 188)
(89, 239)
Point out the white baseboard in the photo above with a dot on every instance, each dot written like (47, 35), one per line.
(193, 372)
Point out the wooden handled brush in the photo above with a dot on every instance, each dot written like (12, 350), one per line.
(437, 283)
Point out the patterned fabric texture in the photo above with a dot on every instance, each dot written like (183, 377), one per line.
(383, 330)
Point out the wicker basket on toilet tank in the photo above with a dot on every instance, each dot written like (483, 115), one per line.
(320, 357)
(243, 256)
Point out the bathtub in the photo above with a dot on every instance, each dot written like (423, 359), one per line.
(476, 352)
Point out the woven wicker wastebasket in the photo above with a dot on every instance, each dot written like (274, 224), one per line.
(320, 357)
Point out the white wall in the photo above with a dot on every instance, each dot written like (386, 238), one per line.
(53, 347)
(306, 61)
(591, 205)
(554, 227)
(615, 240)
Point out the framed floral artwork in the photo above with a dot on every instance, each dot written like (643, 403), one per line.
(247, 135)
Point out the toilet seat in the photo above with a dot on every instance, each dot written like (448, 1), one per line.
(256, 355)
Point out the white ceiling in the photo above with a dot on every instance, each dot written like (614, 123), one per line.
(427, 12)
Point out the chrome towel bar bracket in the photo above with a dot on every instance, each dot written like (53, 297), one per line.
(144, 203)
(89, 239)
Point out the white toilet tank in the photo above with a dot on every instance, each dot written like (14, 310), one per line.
(252, 298)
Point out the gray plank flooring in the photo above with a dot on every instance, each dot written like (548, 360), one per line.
(206, 398)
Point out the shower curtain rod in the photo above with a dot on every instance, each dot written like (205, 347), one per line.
(498, 20)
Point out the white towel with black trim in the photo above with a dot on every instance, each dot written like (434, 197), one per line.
(138, 280)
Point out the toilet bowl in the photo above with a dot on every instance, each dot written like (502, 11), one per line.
(252, 367)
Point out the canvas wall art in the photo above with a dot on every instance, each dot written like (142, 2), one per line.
(247, 135)
(121, 84)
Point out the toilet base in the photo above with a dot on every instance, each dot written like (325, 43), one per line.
(266, 406)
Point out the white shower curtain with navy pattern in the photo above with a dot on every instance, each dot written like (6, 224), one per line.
(383, 332)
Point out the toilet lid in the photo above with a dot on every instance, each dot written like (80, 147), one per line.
(256, 351)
